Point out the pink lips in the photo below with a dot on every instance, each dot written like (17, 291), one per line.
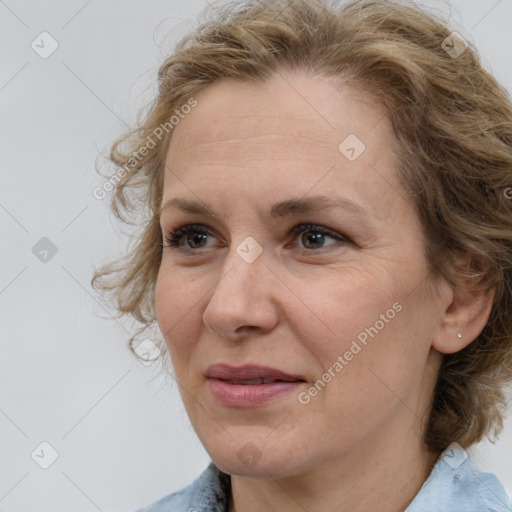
(249, 385)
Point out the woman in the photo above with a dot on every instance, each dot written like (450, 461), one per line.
(327, 256)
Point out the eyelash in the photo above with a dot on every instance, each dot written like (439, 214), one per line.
(172, 239)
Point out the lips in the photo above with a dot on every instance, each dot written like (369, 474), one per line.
(249, 374)
(249, 385)
(252, 382)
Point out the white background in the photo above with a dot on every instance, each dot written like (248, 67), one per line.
(66, 374)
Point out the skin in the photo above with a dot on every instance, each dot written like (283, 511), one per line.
(357, 444)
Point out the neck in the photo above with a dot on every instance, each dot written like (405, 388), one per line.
(353, 482)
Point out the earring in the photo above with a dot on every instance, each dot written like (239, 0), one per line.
(459, 335)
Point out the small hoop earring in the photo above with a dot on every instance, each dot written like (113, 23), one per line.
(459, 335)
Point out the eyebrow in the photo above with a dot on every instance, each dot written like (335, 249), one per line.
(282, 209)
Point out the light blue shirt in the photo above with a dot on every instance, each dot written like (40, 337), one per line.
(454, 485)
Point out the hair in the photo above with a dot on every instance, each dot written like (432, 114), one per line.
(452, 124)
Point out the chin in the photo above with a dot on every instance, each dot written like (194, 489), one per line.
(255, 458)
(263, 468)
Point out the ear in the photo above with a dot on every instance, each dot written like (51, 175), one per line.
(466, 311)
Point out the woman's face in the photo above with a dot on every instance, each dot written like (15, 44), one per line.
(307, 261)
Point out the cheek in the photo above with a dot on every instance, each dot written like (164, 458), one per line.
(367, 319)
(177, 312)
(345, 305)
(384, 351)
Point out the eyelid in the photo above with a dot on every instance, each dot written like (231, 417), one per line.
(170, 235)
(319, 228)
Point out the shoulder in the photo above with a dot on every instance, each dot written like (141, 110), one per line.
(210, 492)
(456, 484)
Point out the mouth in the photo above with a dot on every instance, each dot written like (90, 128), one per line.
(249, 385)
(252, 382)
(249, 374)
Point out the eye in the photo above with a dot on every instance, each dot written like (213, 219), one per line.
(191, 236)
(197, 236)
(313, 236)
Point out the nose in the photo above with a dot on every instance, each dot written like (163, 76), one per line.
(244, 299)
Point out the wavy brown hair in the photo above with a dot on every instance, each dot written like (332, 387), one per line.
(452, 123)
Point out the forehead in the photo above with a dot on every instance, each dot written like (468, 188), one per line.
(287, 129)
(293, 104)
